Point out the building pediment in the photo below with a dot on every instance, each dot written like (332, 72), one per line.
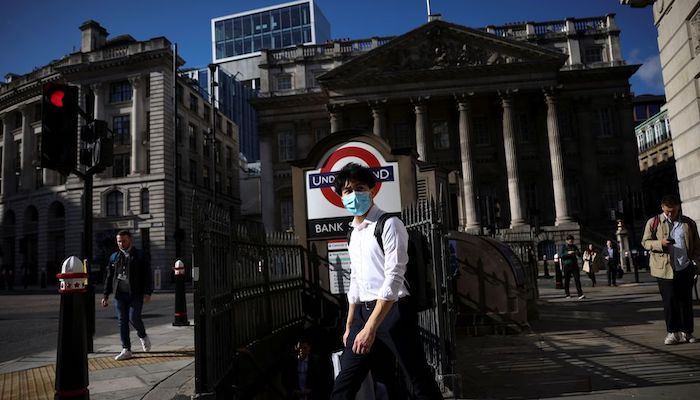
(439, 50)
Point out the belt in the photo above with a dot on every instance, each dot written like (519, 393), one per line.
(369, 305)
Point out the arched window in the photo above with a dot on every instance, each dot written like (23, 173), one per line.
(31, 214)
(145, 202)
(56, 211)
(115, 204)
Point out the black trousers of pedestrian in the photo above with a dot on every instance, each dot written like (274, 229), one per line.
(677, 296)
(399, 332)
(569, 270)
(612, 274)
(591, 275)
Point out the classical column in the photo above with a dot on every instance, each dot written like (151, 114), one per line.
(560, 203)
(8, 172)
(267, 198)
(379, 118)
(516, 216)
(135, 128)
(420, 107)
(27, 173)
(472, 222)
(98, 110)
(336, 117)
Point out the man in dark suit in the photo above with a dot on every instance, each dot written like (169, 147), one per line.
(612, 256)
(306, 376)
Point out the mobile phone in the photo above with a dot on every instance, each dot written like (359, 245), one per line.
(671, 241)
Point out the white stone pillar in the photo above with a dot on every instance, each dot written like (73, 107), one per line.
(8, 173)
(27, 173)
(379, 118)
(98, 110)
(516, 216)
(336, 117)
(560, 202)
(135, 128)
(421, 108)
(472, 221)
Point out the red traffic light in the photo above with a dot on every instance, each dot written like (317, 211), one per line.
(57, 98)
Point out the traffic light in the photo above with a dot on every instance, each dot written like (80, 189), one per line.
(98, 152)
(59, 127)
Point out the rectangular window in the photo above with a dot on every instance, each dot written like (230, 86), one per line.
(482, 135)
(194, 103)
(179, 93)
(178, 130)
(603, 122)
(403, 136)
(441, 135)
(192, 132)
(284, 82)
(229, 129)
(18, 120)
(193, 172)
(593, 54)
(37, 112)
(119, 91)
(285, 146)
(640, 112)
(121, 125)
(121, 166)
(229, 157)
(217, 182)
(217, 152)
(147, 134)
(207, 113)
(522, 129)
(205, 144)
(205, 177)
(286, 214)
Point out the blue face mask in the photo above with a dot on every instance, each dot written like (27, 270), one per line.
(357, 202)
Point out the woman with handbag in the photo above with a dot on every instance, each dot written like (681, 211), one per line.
(590, 267)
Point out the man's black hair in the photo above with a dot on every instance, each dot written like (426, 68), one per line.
(353, 172)
(124, 233)
(670, 200)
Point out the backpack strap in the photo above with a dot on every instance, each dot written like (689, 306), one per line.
(655, 226)
(379, 229)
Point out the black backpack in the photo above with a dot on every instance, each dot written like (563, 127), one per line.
(417, 277)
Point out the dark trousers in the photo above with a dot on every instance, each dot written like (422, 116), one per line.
(399, 332)
(591, 275)
(569, 270)
(677, 296)
(612, 273)
(129, 309)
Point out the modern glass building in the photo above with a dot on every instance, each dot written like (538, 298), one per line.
(244, 34)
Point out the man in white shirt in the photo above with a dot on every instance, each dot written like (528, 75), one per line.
(378, 298)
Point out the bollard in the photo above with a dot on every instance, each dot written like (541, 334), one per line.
(544, 266)
(180, 301)
(627, 262)
(636, 272)
(557, 273)
(71, 358)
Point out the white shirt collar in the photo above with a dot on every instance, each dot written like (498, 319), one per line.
(371, 217)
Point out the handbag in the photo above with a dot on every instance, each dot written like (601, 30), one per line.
(620, 272)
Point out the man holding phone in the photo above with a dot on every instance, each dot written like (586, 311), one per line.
(672, 239)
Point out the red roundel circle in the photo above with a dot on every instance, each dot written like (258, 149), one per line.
(338, 155)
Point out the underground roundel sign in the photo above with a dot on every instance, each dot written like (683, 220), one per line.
(324, 208)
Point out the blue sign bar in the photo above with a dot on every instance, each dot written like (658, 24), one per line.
(326, 179)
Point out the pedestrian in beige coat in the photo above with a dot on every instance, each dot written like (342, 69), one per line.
(590, 266)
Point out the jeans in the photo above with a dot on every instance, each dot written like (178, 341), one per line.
(569, 271)
(129, 310)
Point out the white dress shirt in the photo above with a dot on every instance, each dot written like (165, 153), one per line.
(679, 254)
(375, 274)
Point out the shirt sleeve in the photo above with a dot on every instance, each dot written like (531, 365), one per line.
(353, 290)
(395, 240)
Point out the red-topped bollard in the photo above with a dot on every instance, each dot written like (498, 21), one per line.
(557, 272)
(71, 358)
(180, 302)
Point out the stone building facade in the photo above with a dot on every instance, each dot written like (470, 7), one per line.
(535, 118)
(163, 155)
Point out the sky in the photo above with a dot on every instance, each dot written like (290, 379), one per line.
(32, 33)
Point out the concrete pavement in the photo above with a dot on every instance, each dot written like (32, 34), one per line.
(607, 346)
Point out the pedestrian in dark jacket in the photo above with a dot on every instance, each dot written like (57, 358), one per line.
(129, 276)
(612, 257)
(569, 254)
